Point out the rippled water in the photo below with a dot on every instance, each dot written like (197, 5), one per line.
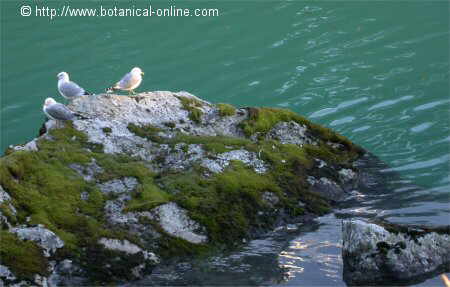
(377, 72)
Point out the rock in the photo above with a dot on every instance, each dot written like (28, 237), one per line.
(270, 198)
(30, 146)
(42, 236)
(175, 221)
(127, 247)
(327, 188)
(290, 133)
(118, 186)
(389, 254)
(6, 274)
(221, 161)
(88, 171)
(171, 174)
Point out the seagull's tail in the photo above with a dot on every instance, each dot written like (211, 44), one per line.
(111, 89)
(86, 93)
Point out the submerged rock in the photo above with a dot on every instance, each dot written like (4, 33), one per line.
(390, 254)
(148, 178)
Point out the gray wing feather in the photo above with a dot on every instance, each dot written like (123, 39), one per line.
(128, 81)
(60, 112)
(70, 90)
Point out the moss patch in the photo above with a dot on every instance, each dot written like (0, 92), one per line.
(107, 130)
(24, 258)
(146, 131)
(192, 106)
(45, 189)
(261, 120)
(226, 110)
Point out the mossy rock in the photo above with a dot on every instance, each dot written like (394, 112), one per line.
(227, 204)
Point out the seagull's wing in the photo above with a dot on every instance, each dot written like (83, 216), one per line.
(60, 112)
(71, 89)
(128, 81)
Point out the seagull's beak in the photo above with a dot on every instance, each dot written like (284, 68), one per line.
(142, 73)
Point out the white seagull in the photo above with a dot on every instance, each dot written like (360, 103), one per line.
(57, 111)
(68, 89)
(129, 82)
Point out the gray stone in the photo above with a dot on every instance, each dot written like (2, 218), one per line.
(118, 186)
(270, 198)
(5, 273)
(127, 247)
(221, 161)
(327, 188)
(88, 171)
(373, 255)
(30, 146)
(45, 238)
(347, 175)
(175, 221)
(290, 133)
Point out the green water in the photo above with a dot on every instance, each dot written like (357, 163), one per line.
(377, 72)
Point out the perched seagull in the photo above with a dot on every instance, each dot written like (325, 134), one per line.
(68, 89)
(129, 82)
(57, 111)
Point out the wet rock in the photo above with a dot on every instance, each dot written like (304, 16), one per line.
(387, 254)
(45, 238)
(175, 221)
(270, 198)
(327, 188)
(347, 174)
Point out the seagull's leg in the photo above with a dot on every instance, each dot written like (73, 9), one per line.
(133, 92)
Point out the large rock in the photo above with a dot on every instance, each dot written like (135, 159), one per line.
(138, 179)
(390, 254)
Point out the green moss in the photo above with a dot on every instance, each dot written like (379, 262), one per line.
(24, 258)
(147, 131)
(226, 204)
(261, 120)
(147, 197)
(215, 144)
(192, 106)
(226, 110)
(107, 130)
(8, 213)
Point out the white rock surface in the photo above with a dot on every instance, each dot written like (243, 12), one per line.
(175, 221)
(45, 238)
(373, 255)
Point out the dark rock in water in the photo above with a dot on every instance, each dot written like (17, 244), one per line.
(382, 253)
(142, 180)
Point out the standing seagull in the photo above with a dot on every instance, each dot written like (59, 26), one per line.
(68, 89)
(129, 82)
(57, 111)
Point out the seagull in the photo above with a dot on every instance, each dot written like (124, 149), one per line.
(57, 111)
(129, 82)
(68, 89)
